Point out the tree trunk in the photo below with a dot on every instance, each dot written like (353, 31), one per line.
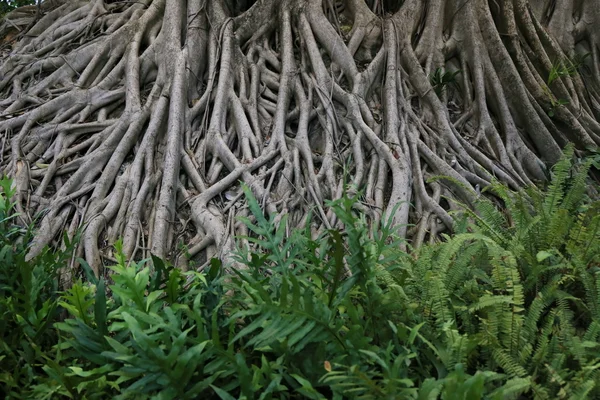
(140, 120)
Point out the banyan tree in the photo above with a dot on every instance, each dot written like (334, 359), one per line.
(141, 120)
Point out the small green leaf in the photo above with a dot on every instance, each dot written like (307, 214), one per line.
(173, 285)
(100, 308)
(89, 273)
(152, 298)
(215, 268)
(222, 394)
(160, 272)
(543, 255)
(307, 389)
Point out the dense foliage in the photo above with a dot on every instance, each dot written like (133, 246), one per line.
(509, 306)
(9, 5)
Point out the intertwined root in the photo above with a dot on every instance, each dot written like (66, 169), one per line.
(141, 119)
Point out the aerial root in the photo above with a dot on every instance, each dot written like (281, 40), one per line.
(112, 127)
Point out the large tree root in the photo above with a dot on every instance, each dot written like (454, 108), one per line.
(138, 120)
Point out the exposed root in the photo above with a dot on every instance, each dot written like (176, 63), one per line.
(140, 120)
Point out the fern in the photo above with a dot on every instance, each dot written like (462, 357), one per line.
(509, 307)
(555, 192)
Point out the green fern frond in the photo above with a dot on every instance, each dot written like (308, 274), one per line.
(508, 363)
(513, 388)
(542, 346)
(439, 302)
(577, 187)
(492, 221)
(555, 192)
(556, 228)
(582, 390)
(490, 301)
(467, 263)
(536, 310)
(592, 334)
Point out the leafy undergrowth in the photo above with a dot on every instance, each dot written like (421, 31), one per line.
(507, 307)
